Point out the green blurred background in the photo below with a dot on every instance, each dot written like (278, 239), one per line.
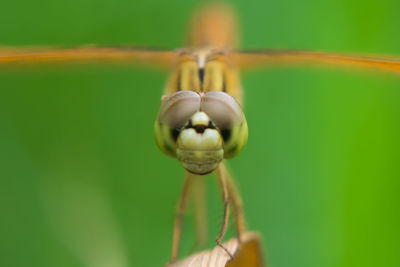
(82, 182)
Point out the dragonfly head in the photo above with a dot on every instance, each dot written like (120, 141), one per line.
(200, 129)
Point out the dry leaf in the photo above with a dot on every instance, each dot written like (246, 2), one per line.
(249, 255)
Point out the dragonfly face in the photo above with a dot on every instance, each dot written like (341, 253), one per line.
(200, 129)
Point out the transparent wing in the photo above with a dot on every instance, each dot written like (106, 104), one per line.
(260, 58)
(127, 55)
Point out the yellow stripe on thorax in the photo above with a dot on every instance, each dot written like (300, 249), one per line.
(185, 76)
(221, 75)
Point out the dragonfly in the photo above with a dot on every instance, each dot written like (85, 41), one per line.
(200, 120)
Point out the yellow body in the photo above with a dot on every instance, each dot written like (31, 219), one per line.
(203, 68)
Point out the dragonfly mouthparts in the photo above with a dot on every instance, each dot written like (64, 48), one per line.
(200, 161)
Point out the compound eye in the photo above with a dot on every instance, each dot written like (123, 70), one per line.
(223, 110)
(177, 108)
(227, 115)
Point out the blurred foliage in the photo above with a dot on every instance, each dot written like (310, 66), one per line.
(82, 182)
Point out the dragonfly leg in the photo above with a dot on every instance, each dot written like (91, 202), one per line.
(225, 198)
(237, 205)
(200, 207)
(182, 205)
